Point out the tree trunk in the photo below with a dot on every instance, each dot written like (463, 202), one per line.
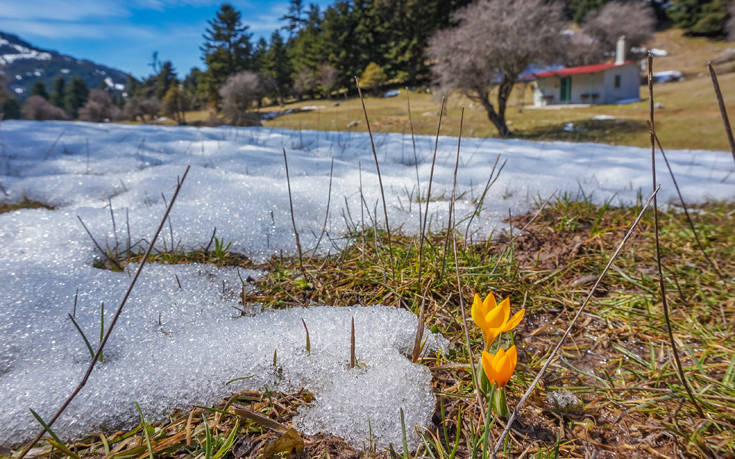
(497, 119)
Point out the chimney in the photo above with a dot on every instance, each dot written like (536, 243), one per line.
(620, 51)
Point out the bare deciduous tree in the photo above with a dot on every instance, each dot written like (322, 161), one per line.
(304, 83)
(634, 20)
(99, 107)
(238, 94)
(494, 42)
(39, 109)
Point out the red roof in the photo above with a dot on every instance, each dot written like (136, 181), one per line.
(581, 69)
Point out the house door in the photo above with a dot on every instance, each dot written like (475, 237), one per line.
(566, 89)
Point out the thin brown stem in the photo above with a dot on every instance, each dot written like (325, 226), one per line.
(380, 178)
(352, 344)
(453, 197)
(422, 235)
(106, 255)
(554, 351)
(723, 110)
(661, 283)
(326, 214)
(124, 300)
(293, 220)
(466, 329)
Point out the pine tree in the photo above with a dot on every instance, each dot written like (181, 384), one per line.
(307, 51)
(227, 49)
(294, 18)
(39, 89)
(59, 93)
(165, 79)
(700, 17)
(261, 48)
(76, 97)
(276, 67)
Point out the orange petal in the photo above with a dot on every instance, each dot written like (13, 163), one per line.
(515, 320)
(490, 334)
(505, 306)
(487, 366)
(495, 318)
(477, 312)
(489, 302)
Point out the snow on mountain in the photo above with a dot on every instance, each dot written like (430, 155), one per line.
(24, 64)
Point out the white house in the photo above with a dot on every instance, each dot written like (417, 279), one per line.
(605, 83)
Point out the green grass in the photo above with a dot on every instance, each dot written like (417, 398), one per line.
(617, 361)
(25, 204)
(688, 118)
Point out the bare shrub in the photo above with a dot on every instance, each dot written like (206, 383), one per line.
(39, 109)
(238, 94)
(494, 42)
(176, 102)
(304, 83)
(99, 107)
(327, 79)
(634, 20)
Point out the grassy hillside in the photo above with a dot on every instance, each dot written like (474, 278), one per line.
(689, 117)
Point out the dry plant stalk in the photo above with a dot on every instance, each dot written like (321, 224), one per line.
(661, 283)
(124, 300)
(380, 179)
(453, 197)
(723, 110)
(352, 344)
(541, 372)
(293, 220)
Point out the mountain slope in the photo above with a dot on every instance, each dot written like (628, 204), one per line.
(23, 65)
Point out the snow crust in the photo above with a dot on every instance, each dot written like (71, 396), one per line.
(237, 184)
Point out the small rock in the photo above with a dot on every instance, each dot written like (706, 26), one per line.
(658, 105)
(352, 124)
(563, 400)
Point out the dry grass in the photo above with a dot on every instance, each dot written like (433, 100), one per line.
(617, 361)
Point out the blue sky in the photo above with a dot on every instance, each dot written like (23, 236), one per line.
(124, 35)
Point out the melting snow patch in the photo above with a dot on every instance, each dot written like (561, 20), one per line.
(174, 348)
(603, 117)
(237, 184)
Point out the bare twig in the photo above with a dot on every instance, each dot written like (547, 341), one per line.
(478, 397)
(352, 344)
(453, 197)
(97, 354)
(422, 235)
(661, 283)
(326, 214)
(490, 182)
(420, 328)
(535, 381)
(380, 179)
(723, 110)
(214, 234)
(415, 156)
(112, 260)
(53, 145)
(293, 220)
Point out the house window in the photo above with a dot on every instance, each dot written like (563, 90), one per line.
(617, 81)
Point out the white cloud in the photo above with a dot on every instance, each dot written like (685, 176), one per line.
(60, 11)
(55, 29)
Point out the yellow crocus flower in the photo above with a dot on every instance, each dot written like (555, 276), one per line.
(492, 318)
(499, 367)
